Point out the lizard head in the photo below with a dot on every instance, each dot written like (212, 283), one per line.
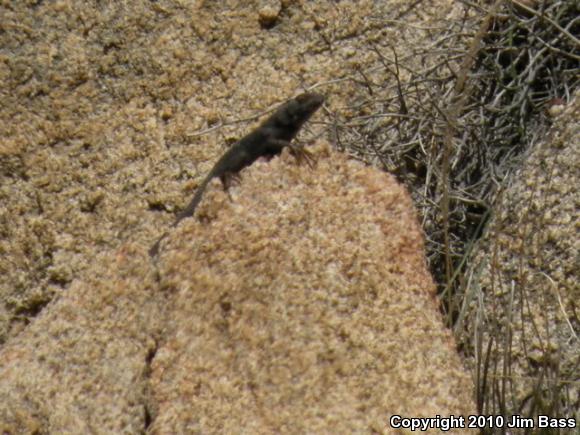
(294, 113)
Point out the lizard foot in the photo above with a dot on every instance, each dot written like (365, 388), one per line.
(301, 154)
(229, 179)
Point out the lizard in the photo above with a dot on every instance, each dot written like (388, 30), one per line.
(267, 140)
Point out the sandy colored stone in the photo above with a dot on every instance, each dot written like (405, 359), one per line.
(304, 307)
(105, 105)
(82, 366)
(525, 277)
(110, 116)
(308, 309)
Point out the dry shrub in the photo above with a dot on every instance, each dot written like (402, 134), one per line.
(455, 131)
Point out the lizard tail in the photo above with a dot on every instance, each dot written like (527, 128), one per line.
(154, 250)
(190, 209)
(186, 212)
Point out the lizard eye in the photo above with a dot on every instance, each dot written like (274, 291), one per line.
(293, 112)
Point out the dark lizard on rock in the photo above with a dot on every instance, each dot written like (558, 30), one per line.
(267, 140)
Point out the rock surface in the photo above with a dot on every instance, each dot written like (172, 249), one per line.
(112, 113)
(82, 366)
(306, 306)
(309, 309)
(323, 309)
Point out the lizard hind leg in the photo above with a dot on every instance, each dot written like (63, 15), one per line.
(301, 154)
(228, 179)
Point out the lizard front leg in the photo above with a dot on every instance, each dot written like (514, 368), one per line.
(300, 153)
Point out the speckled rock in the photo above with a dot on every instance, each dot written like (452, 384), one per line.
(110, 116)
(308, 309)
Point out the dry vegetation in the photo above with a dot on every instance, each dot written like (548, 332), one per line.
(456, 131)
(527, 69)
(490, 100)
